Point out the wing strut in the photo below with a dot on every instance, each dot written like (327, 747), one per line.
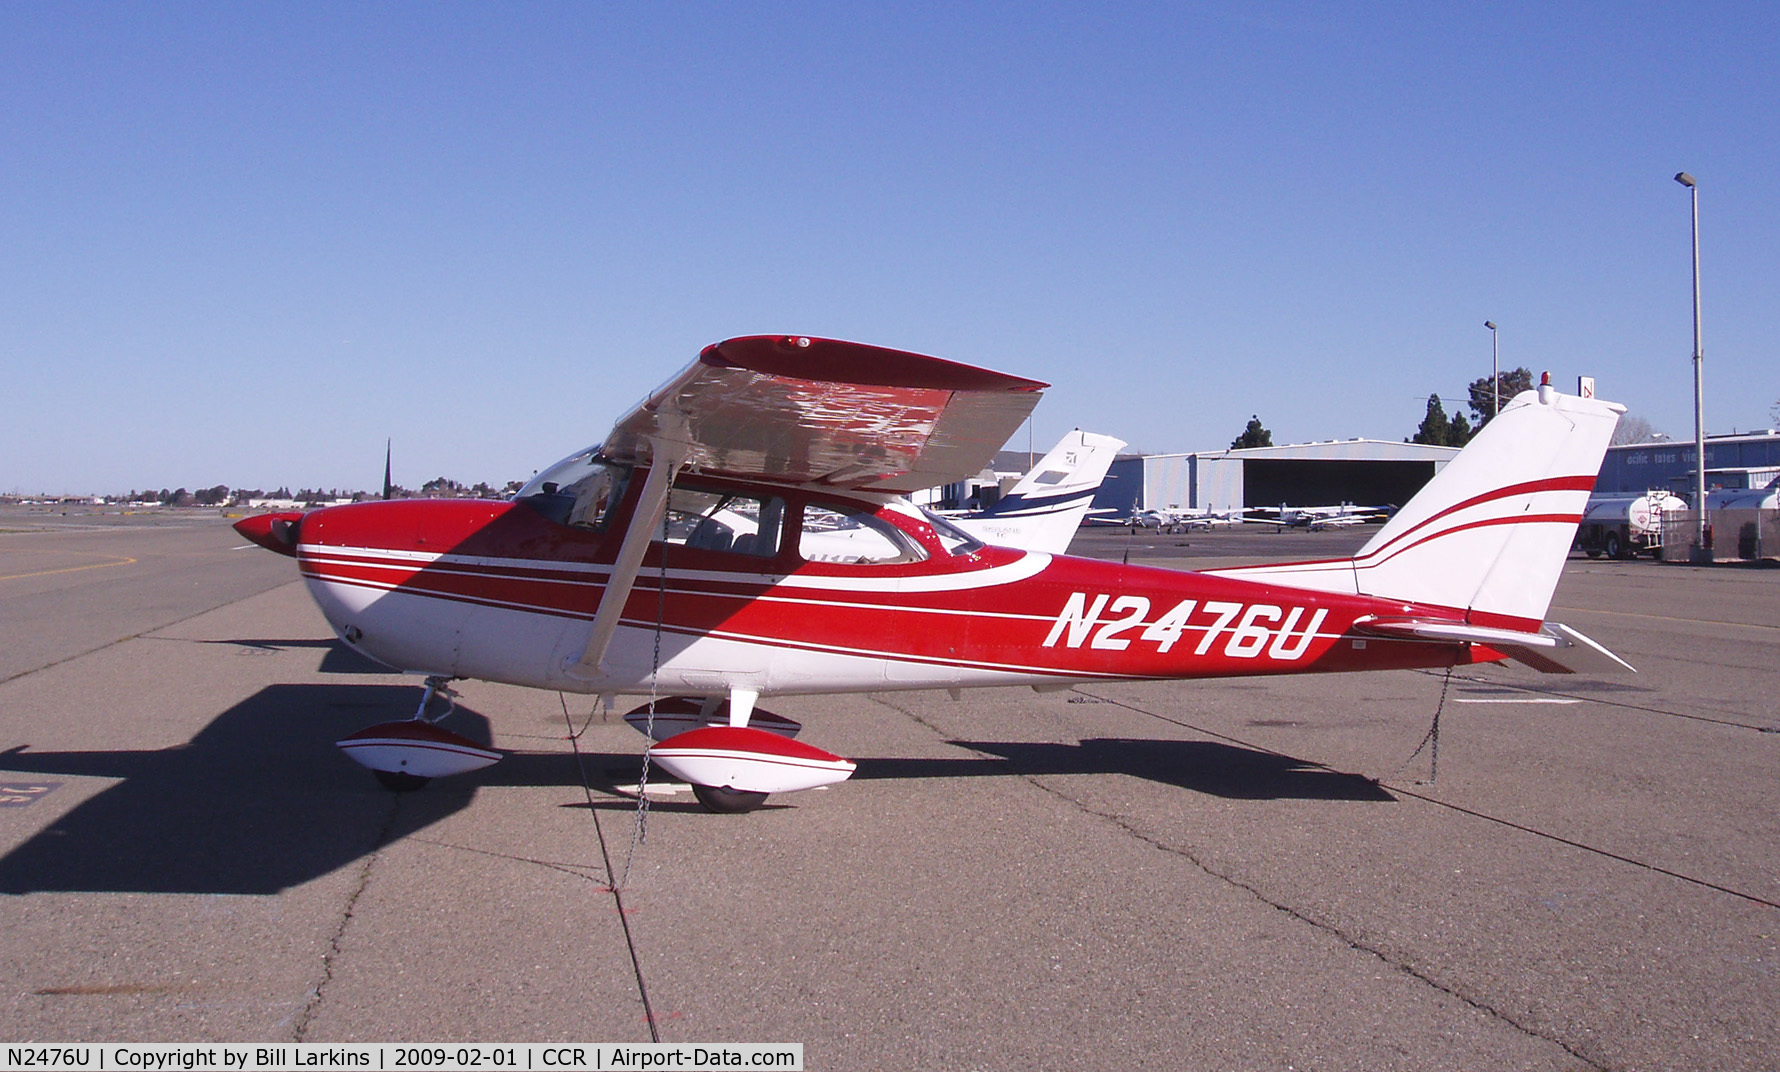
(651, 503)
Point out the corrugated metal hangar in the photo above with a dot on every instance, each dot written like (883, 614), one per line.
(1372, 472)
(1366, 472)
(1636, 468)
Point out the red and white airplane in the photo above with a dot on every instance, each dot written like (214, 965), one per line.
(741, 534)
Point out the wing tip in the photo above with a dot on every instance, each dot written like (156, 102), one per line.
(807, 357)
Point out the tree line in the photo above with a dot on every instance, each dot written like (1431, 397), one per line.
(223, 495)
(1438, 429)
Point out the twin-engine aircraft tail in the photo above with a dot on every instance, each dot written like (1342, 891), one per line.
(1043, 510)
(1487, 536)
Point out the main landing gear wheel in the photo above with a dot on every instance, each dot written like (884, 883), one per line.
(727, 801)
(400, 781)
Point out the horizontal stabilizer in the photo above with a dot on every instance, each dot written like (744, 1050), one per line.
(1555, 649)
(1575, 654)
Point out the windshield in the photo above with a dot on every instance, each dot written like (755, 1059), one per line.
(580, 490)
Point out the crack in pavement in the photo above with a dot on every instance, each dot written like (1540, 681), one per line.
(1331, 929)
(318, 992)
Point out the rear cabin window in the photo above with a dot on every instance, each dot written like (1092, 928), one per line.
(854, 538)
(954, 539)
(723, 521)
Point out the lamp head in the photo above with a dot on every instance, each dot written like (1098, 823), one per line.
(1490, 324)
(1684, 179)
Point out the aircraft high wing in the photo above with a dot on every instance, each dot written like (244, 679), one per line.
(798, 410)
(742, 534)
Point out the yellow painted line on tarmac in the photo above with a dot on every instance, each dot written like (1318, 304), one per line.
(115, 561)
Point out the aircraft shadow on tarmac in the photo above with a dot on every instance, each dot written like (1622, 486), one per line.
(260, 800)
(1208, 767)
(337, 658)
(257, 802)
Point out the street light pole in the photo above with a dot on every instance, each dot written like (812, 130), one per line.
(1699, 392)
(1495, 371)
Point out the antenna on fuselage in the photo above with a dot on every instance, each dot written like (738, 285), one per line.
(388, 486)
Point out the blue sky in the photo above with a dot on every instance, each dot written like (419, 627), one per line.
(246, 243)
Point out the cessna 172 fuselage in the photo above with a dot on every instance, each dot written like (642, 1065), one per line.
(742, 535)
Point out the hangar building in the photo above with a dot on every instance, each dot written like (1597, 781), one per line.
(1366, 472)
(1636, 468)
(1371, 472)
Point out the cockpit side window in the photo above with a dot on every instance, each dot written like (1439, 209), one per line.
(832, 533)
(595, 496)
(709, 520)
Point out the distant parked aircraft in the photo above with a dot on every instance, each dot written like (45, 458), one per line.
(1315, 518)
(1173, 518)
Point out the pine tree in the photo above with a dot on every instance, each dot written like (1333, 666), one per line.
(1435, 428)
(1509, 382)
(1252, 436)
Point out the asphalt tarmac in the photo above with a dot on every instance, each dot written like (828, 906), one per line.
(1191, 875)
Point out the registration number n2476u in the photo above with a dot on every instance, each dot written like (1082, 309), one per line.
(1247, 629)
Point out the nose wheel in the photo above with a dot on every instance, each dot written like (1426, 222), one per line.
(400, 781)
(727, 801)
(406, 755)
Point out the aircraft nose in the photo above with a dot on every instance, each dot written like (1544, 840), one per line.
(274, 532)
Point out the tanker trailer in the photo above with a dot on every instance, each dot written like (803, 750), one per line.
(1620, 526)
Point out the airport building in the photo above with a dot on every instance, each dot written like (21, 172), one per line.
(1365, 472)
(1368, 472)
(1739, 460)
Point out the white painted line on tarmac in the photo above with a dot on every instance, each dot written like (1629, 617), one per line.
(1517, 699)
(656, 789)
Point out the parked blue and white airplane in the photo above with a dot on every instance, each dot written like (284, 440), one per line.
(1043, 510)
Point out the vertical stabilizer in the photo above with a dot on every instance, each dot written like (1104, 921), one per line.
(1489, 534)
(1043, 510)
